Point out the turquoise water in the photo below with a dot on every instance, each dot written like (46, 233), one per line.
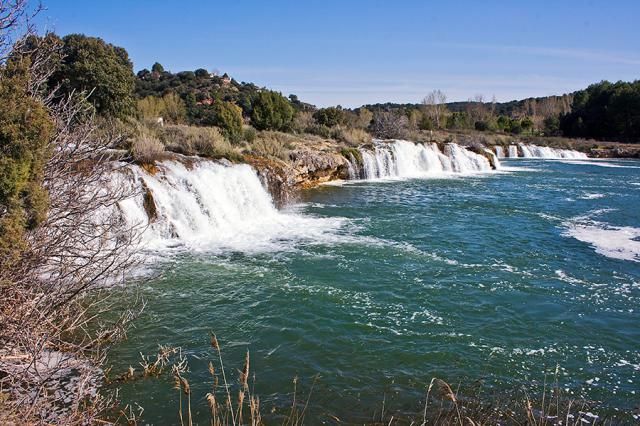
(500, 277)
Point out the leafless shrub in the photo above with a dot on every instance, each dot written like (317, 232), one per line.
(53, 329)
(146, 148)
(303, 121)
(389, 125)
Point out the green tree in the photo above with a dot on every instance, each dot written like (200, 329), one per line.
(527, 124)
(100, 69)
(330, 117)
(157, 68)
(552, 126)
(228, 117)
(271, 111)
(201, 73)
(25, 130)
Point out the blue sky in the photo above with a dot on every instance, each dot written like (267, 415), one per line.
(357, 52)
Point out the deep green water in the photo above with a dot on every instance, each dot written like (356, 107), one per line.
(465, 279)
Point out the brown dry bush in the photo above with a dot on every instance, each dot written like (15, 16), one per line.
(191, 140)
(146, 148)
(351, 136)
(272, 144)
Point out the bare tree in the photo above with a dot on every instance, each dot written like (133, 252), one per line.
(390, 125)
(435, 106)
(53, 328)
(477, 109)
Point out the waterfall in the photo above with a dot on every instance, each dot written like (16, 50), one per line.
(494, 158)
(211, 206)
(513, 151)
(499, 151)
(535, 151)
(403, 159)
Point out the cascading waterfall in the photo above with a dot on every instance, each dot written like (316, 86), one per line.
(495, 161)
(211, 206)
(404, 159)
(535, 151)
(499, 151)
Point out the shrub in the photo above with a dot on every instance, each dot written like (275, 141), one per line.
(249, 134)
(330, 117)
(170, 107)
(319, 130)
(302, 122)
(481, 126)
(352, 136)
(270, 144)
(228, 117)
(390, 125)
(190, 140)
(146, 148)
(271, 111)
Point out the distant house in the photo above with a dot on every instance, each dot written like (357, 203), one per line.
(226, 79)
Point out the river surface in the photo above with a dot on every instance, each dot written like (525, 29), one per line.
(500, 277)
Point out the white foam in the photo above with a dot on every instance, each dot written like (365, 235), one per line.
(404, 160)
(616, 242)
(592, 196)
(214, 207)
(599, 163)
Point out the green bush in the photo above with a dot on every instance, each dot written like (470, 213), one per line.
(228, 117)
(249, 134)
(25, 129)
(271, 111)
(330, 117)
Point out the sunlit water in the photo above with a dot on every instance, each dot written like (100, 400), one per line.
(502, 277)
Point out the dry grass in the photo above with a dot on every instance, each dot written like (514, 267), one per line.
(228, 403)
(191, 140)
(272, 144)
(351, 136)
(146, 148)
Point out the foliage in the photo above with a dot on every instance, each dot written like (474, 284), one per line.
(191, 140)
(552, 126)
(170, 108)
(93, 66)
(459, 120)
(303, 122)
(270, 144)
(605, 111)
(146, 148)
(351, 136)
(330, 117)
(228, 117)
(199, 90)
(271, 111)
(25, 129)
